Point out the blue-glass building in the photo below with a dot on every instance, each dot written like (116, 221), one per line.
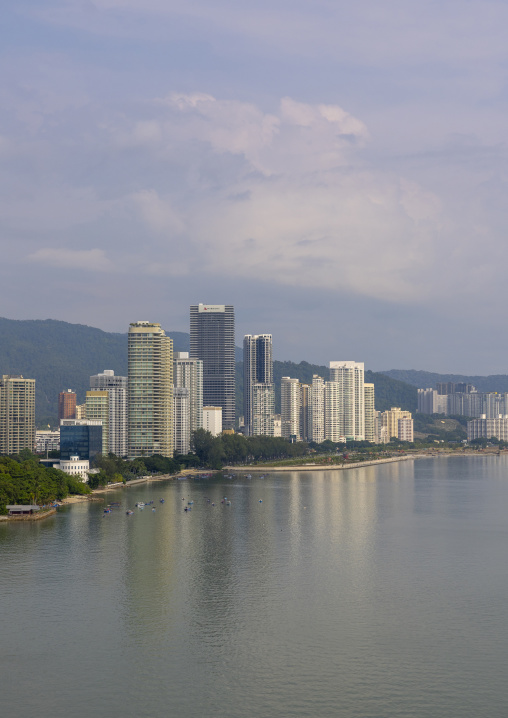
(79, 437)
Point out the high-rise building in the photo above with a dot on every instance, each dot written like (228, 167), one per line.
(97, 407)
(182, 419)
(81, 411)
(188, 374)
(17, 414)
(333, 414)
(116, 388)
(290, 399)
(67, 405)
(212, 339)
(257, 369)
(317, 421)
(150, 390)
(212, 419)
(350, 377)
(370, 413)
(405, 429)
(390, 421)
(305, 411)
(263, 407)
(80, 437)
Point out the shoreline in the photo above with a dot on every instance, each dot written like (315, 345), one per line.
(328, 467)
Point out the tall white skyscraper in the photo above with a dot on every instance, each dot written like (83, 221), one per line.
(290, 401)
(257, 369)
(333, 424)
(263, 408)
(317, 411)
(349, 375)
(181, 420)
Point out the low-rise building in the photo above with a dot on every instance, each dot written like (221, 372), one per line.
(212, 419)
(74, 466)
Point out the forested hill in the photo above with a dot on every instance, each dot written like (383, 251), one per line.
(60, 356)
(427, 379)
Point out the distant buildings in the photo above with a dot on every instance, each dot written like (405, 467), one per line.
(462, 403)
(212, 339)
(212, 419)
(150, 390)
(290, 408)
(396, 423)
(317, 410)
(17, 414)
(67, 405)
(182, 420)
(188, 374)
(258, 386)
(488, 428)
(370, 412)
(46, 440)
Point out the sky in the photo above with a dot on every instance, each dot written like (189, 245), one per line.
(337, 171)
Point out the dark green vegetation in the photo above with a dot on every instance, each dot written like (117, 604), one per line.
(23, 480)
(113, 469)
(428, 379)
(440, 428)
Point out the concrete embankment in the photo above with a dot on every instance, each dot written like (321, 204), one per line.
(30, 517)
(326, 467)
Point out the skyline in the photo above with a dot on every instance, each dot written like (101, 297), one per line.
(333, 172)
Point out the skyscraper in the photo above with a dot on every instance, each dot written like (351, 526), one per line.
(150, 390)
(181, 420)
(370, 413)
(263, 408)
(212, 339)
(257, 369)
(188, 374)
(349, 375)
(67, 405)
(116, 388)
(17, 414)
(317, 423)
(290, 408)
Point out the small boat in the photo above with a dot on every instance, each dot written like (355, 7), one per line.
(140, 505)
(162, 501)
(107, 511)
(153, 508)
(129, 513)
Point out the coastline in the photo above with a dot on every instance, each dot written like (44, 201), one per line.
(327, 467)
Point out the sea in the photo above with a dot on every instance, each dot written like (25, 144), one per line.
(376, 592)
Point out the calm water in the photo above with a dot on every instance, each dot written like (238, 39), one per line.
(377, 592)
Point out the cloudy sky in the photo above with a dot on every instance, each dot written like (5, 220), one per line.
(337, 171)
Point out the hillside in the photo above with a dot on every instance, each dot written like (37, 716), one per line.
(60, 356)
(427, 379)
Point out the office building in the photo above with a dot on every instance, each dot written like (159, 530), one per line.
(116, 388)
(212, 339)
(80, 437)
(317, 420)
(257, 369)
(181, 420)
(17, 414)
(47, 440)
(370, 413)
(188, 374)
(150, 390)
(349, 375)
(262, 409)
(212, 419)
(290, 408)
(67, 405)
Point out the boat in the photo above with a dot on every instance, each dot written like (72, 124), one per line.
(107, 511)
(162, 501)
(140, 505)
(129, 513)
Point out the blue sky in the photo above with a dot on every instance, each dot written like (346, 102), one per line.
(337, 172)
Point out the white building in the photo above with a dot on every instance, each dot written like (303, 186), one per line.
(430, 402)
(74, 467)
(349, 375)
(212, 419)
(484, 428)
(257, 369)
(317, 412)
(277, 425)
(405, 429)
(290, 408)
(47, 441)
(181, 420)
(263, 407)
(188, 374)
